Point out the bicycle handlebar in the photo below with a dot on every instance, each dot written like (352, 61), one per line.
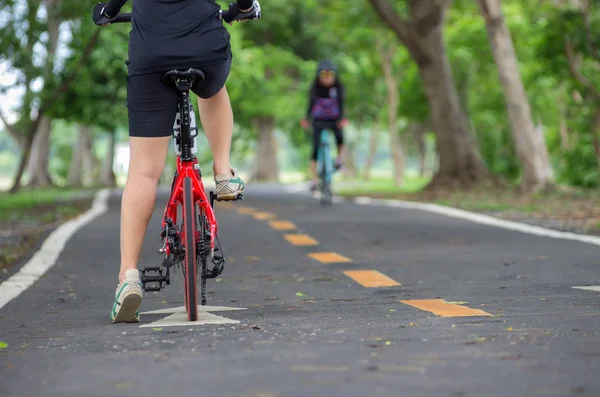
(228, 16)
(122, 18)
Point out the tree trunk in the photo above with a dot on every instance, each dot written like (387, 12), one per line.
(372, 152)
(563, 128)
(349, 170)
(88, 159)
(418, 132)
(596, 136)
(38, 166)
(459, 159)
(75, 176)
(266, 151)
(40, 155)
(393, 101)
(529, 141)
(25, 154)
(108, 177)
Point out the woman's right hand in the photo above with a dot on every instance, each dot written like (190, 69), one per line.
(304, 123)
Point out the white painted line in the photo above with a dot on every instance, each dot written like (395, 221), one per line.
(595, 288)
(178, 318)
(466, 215)
(48, 253)
(363, 200)
(298, 187)
(181, 309)
(482, 219)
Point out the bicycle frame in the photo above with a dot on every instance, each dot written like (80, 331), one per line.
(187, 166)
(324, 162)
(189, 169)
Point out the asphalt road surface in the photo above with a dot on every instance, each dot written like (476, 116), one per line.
(347, 300)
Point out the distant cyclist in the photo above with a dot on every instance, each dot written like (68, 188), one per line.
(326, 111)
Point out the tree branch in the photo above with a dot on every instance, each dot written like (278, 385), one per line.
(66, 82)
(574, 65)
(390, 17)
(585, 12)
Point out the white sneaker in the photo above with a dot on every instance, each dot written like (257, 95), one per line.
(229, 186)
(128, 298)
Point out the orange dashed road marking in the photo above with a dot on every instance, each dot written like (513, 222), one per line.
(444, 309)
(329, 257)
(371, 278)
(300, 239)
(263, 216)
(282, 225)
(247, 211)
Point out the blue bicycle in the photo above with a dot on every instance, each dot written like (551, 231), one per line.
(325, 167)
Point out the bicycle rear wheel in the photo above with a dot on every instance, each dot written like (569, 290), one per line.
(325, 171)
(189, 243)
(203, 252)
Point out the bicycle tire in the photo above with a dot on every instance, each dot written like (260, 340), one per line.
(189, 243)
(204, 247)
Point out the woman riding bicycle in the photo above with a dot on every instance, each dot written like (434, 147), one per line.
(169, 35)
(326, 111)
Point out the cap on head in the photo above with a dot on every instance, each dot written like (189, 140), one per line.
(326, 65)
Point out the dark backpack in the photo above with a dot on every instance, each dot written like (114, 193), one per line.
(327, 108)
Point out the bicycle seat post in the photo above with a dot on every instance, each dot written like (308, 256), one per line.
(183, 81)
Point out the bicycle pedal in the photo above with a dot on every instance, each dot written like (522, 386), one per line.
(239, 197)
(152, 288)
(150, 269)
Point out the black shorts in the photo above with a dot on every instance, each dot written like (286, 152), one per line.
(318, 128)
(152, 104)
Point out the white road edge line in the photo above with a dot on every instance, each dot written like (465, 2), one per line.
(48, 253)
(476, 218)
(595, 288)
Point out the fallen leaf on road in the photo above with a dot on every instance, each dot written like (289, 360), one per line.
(387, 342)
(413, 324)
(3, 345)
(299, 294)
(123, 385)
(157, 329)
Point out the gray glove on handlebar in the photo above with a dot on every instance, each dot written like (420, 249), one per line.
(233, 14)
(99, 15)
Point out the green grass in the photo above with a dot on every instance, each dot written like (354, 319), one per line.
(381, 186)
(27, 199)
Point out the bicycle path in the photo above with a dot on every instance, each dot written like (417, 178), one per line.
(347, 300)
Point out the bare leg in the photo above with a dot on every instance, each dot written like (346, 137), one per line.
(146, 164)
(217, 121)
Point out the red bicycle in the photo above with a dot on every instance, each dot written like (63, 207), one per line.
(190, 242)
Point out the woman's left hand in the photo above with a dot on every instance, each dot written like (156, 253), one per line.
(342, 123)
